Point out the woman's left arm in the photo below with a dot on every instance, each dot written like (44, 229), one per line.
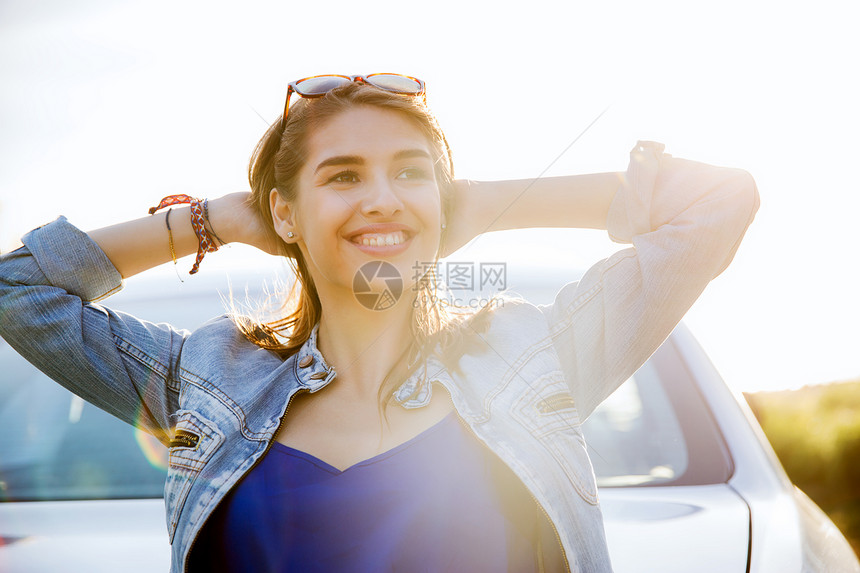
(684, 221)
(580, 201)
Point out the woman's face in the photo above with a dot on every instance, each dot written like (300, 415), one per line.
(367, 192)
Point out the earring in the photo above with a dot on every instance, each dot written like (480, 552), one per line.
(290, 234)
(443, 226)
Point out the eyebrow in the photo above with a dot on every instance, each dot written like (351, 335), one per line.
(358, 160)
(416, 152)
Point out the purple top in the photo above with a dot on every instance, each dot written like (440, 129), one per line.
(438, 502)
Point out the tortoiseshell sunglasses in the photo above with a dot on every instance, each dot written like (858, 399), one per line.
(318, 86)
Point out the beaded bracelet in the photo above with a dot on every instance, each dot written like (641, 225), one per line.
(170, 242)
(170, 235)
(205, 244)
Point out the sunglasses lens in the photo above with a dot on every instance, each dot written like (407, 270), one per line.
(395, 83)
(320, 85)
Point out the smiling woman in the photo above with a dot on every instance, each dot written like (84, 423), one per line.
(354, 437)
(368, 189)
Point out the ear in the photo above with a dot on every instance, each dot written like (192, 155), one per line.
(283, 216)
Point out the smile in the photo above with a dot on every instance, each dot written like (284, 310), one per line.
(380, 239)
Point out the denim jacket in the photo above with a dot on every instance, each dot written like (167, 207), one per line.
(523, 387)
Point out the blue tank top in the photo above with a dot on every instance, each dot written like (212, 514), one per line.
(438, 502)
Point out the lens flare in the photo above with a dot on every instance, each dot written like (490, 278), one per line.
(153, 450)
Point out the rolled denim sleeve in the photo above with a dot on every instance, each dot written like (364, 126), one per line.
(685, 221)
(121, 364)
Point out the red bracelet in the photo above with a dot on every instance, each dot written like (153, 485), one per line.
(205, 244)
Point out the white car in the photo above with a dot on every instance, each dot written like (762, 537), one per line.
(687, 479)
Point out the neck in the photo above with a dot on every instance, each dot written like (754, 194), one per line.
(364, 345)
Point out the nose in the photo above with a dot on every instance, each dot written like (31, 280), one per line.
(380, 199)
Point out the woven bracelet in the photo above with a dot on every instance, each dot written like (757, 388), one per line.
(205, 244)
(209, 229)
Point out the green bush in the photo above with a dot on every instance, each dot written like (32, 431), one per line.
(815, 432)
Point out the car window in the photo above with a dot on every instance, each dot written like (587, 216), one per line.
(55, 446)
(634, 437)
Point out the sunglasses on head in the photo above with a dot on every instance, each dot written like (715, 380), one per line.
(318, 86)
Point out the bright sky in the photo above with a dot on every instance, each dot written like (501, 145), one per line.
(105, 107)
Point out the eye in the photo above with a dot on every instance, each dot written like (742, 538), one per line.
(413, 173)
(343, 177)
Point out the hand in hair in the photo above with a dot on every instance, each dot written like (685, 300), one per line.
(241, 222)
(137, 245)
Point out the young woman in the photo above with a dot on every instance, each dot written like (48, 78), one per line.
(357, 437)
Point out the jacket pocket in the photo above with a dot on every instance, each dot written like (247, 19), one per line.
(193, 441)
(548, 411)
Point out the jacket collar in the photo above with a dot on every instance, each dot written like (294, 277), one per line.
(314, 374)
(311, 369)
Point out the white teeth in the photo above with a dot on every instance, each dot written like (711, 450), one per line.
(381, 240)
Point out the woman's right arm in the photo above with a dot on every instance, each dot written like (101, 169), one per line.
(126, 366)
(141, 244)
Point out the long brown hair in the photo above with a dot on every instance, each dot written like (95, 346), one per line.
(276, 163)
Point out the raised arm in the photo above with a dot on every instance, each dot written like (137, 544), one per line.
(685, 221)
(126, 366)
(137, 245)
(580, 201)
